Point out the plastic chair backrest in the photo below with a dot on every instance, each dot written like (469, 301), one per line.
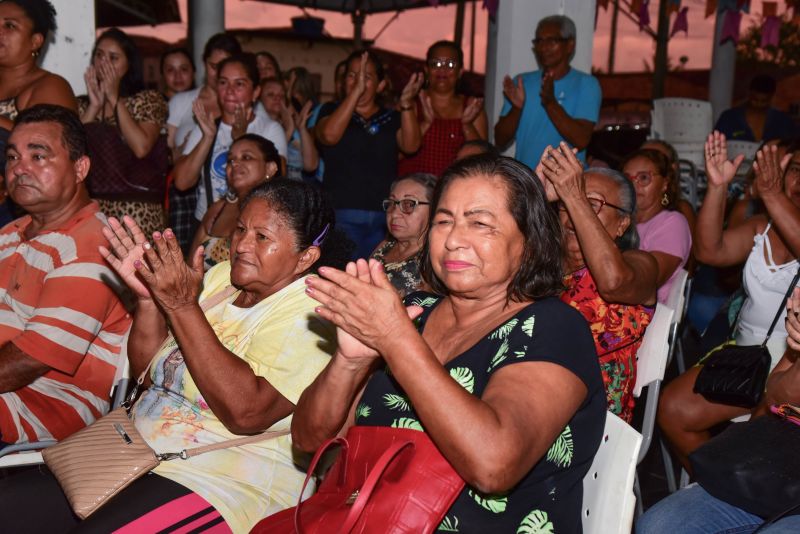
(608, 499)
(681, 120)
(677, 295)
(651, 358)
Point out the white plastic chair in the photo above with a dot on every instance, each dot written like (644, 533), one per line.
(681, 121)
(608, 499)
(19, 454)
(746, 148)
(651, 361)
(678, 301)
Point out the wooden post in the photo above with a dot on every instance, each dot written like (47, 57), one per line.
(662, 44)
(459, 29)
(612, 45)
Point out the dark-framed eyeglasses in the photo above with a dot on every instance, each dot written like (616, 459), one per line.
(643, 178)
(406, 205)
(597, 205)
(442, 63)
(548, 41)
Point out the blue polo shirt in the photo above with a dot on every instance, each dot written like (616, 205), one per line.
(733, 124)
(577, 92)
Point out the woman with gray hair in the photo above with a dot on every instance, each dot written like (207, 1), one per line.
(407, 214)
(607, 279)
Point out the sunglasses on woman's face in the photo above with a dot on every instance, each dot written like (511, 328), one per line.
(442, 63)
(406, 205)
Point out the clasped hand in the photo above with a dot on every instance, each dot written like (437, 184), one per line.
(153, 272)
(364, 306)
(561, 173)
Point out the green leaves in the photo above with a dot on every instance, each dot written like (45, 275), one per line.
(495, 505)
(536, 522)
(504, 330)
(362, 411)
(500, 355)
(396, 402)
(464, 377)
(560, 453)
(527, 326)
(407, 422)
(424, 303)
(448, 525)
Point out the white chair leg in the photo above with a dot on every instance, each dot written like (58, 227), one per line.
(684, 479)
(679, 355)
(637, 491)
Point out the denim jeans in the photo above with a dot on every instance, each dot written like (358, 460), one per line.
(364, 228)
(695, 511)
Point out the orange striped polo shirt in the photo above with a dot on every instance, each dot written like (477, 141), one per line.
(59, 306)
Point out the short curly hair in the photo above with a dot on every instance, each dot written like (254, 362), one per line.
(41, 12)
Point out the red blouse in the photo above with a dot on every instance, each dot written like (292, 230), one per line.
(440, 144)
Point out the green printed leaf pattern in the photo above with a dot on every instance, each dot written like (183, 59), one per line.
(396, 402)
(500, 355)
(464, 377)
(363, 411)
(407, 422)
(448, 525)
(521, 353)
(495, 505)
(424, 303)
(504, 330)
(536, 522)
(560, 453)
(527, 326)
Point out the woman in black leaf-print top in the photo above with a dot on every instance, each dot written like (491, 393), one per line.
(499, 372)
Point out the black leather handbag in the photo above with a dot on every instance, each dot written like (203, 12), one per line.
(737, 375)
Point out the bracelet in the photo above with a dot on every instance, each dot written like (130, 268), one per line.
(407, 108)
(231, 198)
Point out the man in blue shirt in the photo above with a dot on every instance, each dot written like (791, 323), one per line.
(756, 120)
(551, 104)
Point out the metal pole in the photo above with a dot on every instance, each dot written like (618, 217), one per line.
(662, 43)
(459, 29)
(612, 47)
(206, 18)
(358, 29)
(723, 68)
(472, 41)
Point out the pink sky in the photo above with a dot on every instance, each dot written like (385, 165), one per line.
(414, 30)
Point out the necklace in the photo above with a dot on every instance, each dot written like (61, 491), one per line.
(373, 125)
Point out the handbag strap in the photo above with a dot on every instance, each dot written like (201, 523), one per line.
(781, 307)
(185, 454)
(375, 474)
(207, 169)
(314, 462)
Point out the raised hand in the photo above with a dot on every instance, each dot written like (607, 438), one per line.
(242, 116)
(93, 87)
(515, 93)
(301, 118)
(127, 247)
(471, 110)
(363, 304)
(547, 94)
(769, 170)
(793, 320)
(361, 79)
(411, 89)
(205, 119)
(719, 169)
(109, 81)
(561, 168)
(427, 111)
(173, 283)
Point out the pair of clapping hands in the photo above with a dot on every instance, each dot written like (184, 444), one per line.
(768, 167)
(793, 320)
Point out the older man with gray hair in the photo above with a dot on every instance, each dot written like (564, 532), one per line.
(553, 103)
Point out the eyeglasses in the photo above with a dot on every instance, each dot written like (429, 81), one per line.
(549, 41)
(643, 178)
(407, 205)
(597, 205)
(442, 63)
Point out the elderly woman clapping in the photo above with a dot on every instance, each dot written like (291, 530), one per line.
(611, 283)
(494, 371)
(229, 358)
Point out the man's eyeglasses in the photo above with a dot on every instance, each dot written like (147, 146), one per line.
(549, 41)
(643, 178)
(407, 205)
(442, 63)
(597, 205)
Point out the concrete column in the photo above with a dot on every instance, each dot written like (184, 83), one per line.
(69, 50)
(509, 49)
(723, 70)
(206, 17)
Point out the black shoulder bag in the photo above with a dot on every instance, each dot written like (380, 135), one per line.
(736, 375)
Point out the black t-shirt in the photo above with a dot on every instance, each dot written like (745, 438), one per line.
(360, 168)
(548, 498)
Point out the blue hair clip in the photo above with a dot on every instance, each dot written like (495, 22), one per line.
(321, 237)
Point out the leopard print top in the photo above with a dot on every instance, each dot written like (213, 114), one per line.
(8, 108)
(144, 106)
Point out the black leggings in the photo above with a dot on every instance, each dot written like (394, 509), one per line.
(32, 501)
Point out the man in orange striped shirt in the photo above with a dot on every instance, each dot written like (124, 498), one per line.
(61, 322)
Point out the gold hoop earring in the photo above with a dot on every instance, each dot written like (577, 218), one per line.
(665, 200)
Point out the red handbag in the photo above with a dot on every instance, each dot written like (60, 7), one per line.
(385, 480)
